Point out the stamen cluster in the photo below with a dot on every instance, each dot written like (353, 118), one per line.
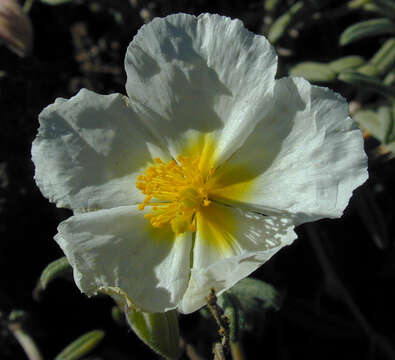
(179, 190)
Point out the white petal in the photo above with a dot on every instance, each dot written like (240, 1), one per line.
(305, 158)
(119, 249)
(89, 150)
(229, 245)
(200, 74)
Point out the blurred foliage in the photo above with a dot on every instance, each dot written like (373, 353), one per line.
(372, 81)
(81, 346)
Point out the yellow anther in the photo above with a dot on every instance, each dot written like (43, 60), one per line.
(179, 189)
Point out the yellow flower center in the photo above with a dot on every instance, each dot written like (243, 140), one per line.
(179, 190)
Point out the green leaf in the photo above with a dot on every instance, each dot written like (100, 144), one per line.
(387, 6)
(159, 331)
(369, 120)
(384, 59)
(387, 120)
(367, 82)
(375, 9)
(54, 270)
(246, 303)
(355, 4)
(270, 5)
(346, 63)
(82, 346)
(368, 70)
(118, 315)
(389, 79)
(55, 2)
(314, 71)
(260, 290)
(365, 29)
(279, 27)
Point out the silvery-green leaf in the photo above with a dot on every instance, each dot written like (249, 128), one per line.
(367, 82)
(346, 63)
(355, 4)
(54, 270)
(246, 302)
(387, 120)
(282, 23)
(314, 71)
(260, 290)
(366, 29)
(368, 70)
(157, 330)
(82, 346)
(389, 79)
(387, 6)
(384, 59)
(369, 120)
(270, 5)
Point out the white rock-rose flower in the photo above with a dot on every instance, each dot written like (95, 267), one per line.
(199, 176)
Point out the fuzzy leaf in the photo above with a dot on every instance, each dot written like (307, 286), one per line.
(368, 70)
(346, 63)
(355, 4)
(365, 29)
(54, 270)
(369, 120)
(367, 82)
(260, 290)
(387, 120)
(80, 347)
(314, 71)
(270, 5)
(387, 6)
(279, 27)
(389, 79)
(245, 304)
(157, 330)
(384, 59)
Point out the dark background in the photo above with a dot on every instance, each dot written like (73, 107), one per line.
(338, 276)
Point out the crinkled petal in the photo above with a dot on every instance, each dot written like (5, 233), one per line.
(89, 150)
(205, 74)
(229, 245)
(305, 158)
(117, 251)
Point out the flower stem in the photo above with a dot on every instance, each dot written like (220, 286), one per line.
(220, 349)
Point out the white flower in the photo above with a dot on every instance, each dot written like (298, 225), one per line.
(198, 176)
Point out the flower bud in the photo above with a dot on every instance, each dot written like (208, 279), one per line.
(16, 30)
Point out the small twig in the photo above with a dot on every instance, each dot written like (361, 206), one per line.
(219, 353)
(25, 341)
(220, 349)
(236, 350)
